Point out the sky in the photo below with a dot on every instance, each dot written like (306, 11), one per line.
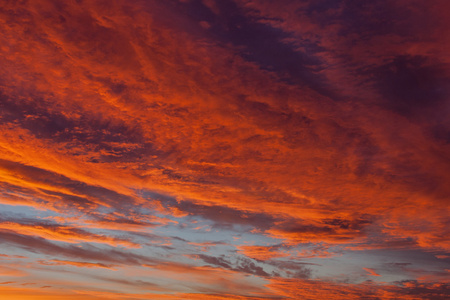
(224, 149)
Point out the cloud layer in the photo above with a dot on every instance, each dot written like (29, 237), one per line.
(204, 149)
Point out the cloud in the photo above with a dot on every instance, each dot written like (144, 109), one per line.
(412, 85)
(56, 232)
(57, 262)
(241, 264)
(262, 253)
(32, 293)
(41, 245)
(11, 272)
(195, 149)
(371, 272)
(311, 130)
(310, 289)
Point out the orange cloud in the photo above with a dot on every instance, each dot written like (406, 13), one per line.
(15, 293)
(65, 234)
(371, 272)
(310, 289)
(58, 262)
(305, 122)
(11, 272)
(262, 252)
(164, 110)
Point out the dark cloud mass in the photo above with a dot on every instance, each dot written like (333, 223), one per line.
(224, 149)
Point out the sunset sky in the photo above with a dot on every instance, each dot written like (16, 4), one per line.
(224, 149)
